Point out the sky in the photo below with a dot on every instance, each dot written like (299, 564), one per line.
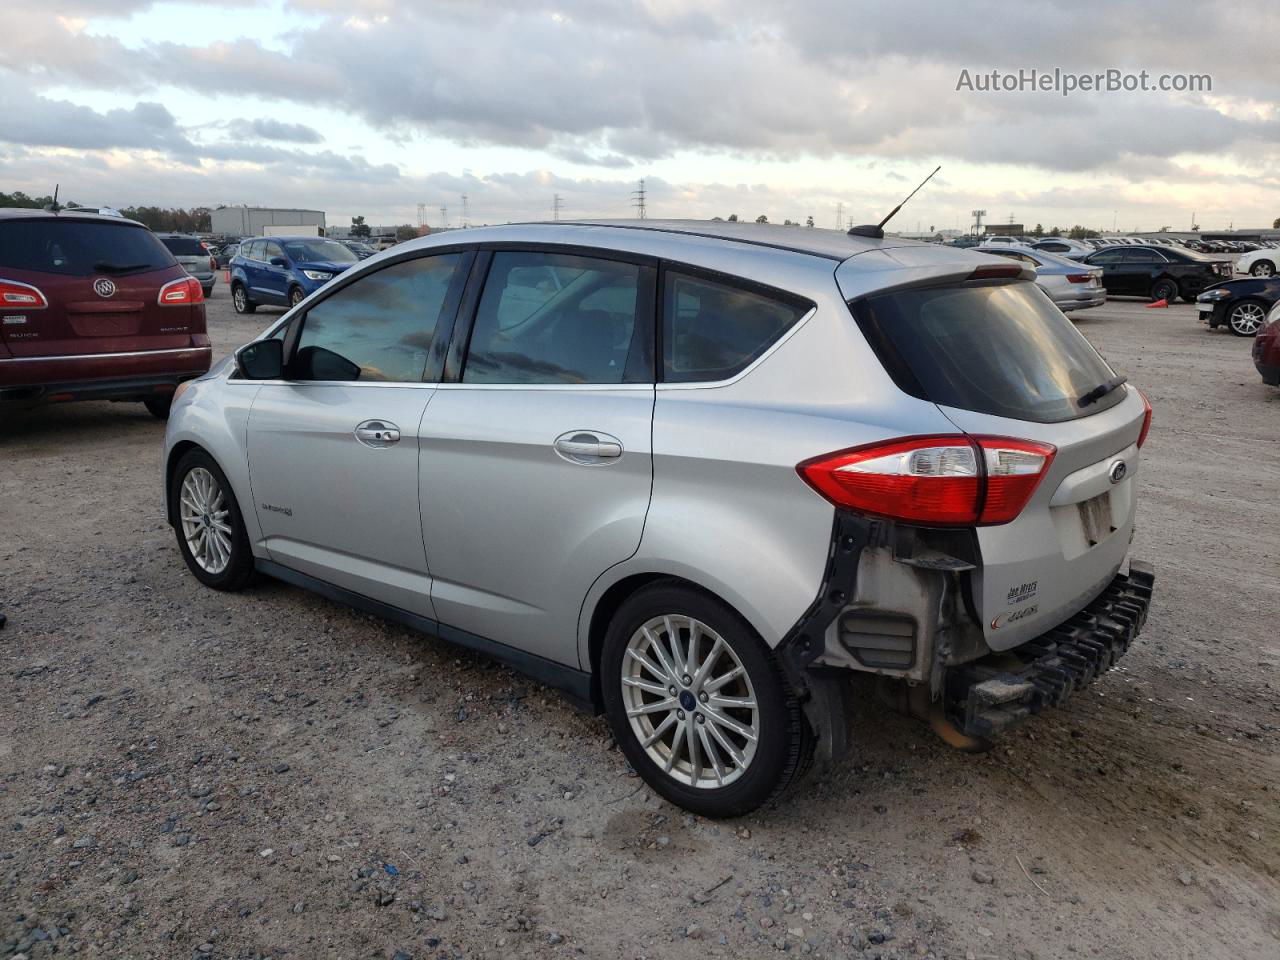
(747, 107)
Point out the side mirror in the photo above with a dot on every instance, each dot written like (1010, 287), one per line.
(262, 360)
(279, 262)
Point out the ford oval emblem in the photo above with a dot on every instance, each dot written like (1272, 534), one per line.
(1119, 470)
(104, 287)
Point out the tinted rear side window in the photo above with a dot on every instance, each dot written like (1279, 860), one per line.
(555, 318)
(185, 246)
(712, 331)
(1003, 350)
(77, 248)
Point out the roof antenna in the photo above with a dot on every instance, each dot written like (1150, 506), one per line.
(53, 207)
(876, 231)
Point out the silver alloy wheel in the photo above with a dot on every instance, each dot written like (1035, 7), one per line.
(296, 297)
(1247, 318)
(238, 295)
(1262, 268)
(206, 520)
(690, 702)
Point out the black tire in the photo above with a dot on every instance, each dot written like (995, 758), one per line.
(239, 567)
(208, 291)
(1263, 268)
(240, 299)
(1246, 317)
(158, 406)
(1164, 290)
(296, 296)
(784, 747)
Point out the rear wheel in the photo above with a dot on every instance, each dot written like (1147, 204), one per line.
(296, 296)
(698, 704)
(158, 406)
(1245, 319)
(1164, 290)
(210, 528)
(1263, 268)
(240, 299)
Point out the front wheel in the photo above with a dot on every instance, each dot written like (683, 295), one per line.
(296, 296)
(698, 704)
(240, 299)
(1164, 290)
(1263, 268)
(1245, 319)
(210, 528)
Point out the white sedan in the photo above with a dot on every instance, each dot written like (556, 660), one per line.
(1260, 263)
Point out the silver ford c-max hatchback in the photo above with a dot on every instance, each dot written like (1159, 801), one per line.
(697, 475)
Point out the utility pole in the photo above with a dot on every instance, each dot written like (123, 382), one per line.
(556, 205)
(466, 213)
(422, 214)
(637, 201)
(977, 221)
(840, 216)
(444, 215)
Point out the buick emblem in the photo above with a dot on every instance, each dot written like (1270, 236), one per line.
(104, 287)
(1118, 471)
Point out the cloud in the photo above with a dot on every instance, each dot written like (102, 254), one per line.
(266, 129)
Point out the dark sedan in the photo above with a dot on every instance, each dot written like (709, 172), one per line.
(1239, 305)
(1163, 273)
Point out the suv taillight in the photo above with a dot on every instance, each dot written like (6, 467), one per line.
(180, 293)
(21, 296)
(1146, 419)
(953, 481)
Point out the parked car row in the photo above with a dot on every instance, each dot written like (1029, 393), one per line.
(1069, 284)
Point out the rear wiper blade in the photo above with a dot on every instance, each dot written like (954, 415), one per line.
(1100, 391)
(119, 267)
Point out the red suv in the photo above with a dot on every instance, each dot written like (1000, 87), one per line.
(1266, 348)
(94, 308)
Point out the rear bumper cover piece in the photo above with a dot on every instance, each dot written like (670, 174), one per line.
(987, 696)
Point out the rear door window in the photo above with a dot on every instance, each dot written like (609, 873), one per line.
(1003, 350)
(713, 331)
(79, 248)
(378, 328)
(547, 318)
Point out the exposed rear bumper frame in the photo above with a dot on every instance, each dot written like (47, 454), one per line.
(987, 696)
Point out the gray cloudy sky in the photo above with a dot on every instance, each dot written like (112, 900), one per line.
(725, 106)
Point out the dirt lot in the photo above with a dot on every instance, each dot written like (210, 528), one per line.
(189, 774)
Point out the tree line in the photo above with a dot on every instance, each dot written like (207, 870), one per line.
(166, 219)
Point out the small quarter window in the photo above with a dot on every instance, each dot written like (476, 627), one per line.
(713, 331)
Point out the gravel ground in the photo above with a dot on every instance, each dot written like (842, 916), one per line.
(190, 774)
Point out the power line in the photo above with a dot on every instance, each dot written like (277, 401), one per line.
(637, 201)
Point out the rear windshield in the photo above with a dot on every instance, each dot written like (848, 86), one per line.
(77, 248)
(185, 246)
(1003, 350)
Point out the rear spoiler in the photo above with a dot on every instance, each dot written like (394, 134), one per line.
(895, 268)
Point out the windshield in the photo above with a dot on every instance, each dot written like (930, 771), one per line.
(78, 248)
(327, 251)
(1003, 350)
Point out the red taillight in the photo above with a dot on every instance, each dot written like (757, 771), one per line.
(1146, 419)
(180, 293)
(1078, 278)
(21, 296)
(937, 481)
(996, 273)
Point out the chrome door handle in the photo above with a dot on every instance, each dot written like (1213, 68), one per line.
(377, 433)
(583, 447)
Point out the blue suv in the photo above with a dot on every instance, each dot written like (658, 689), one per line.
(284, 270)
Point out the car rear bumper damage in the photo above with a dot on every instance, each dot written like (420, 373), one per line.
(1270, 372)
(987, 696)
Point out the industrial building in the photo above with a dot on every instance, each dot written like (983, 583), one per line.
(253, 221)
